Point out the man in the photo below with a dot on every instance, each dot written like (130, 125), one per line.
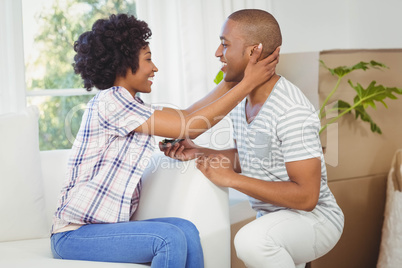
(278, 160)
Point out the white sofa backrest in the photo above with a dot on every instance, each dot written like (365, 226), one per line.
(54, 167)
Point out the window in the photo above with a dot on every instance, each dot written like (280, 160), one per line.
(50, 29)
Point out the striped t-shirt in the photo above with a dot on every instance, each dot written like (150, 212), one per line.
(285, 130)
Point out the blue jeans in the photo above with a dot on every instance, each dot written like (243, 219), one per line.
(163, 242)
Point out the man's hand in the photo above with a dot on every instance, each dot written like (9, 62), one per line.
(183, 150)
(217, 168)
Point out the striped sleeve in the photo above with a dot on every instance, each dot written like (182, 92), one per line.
(119, 113)
(298, 131)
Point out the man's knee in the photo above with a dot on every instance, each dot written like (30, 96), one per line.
(251, 246)
(246, 243)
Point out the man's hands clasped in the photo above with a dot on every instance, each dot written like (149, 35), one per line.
(217, 168)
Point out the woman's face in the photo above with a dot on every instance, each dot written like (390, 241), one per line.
(141, 80)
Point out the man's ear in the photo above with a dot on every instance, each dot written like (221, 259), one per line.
(252, 50)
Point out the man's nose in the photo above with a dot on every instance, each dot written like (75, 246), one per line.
(218, 52)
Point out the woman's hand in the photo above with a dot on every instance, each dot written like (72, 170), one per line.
(183, 150)
(258, 71)
(217, 168)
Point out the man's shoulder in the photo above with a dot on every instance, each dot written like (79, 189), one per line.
(286, 87)
(291, 95)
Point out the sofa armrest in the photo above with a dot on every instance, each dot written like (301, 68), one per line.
(178, 189)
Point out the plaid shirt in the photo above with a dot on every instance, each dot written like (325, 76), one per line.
(108, 158)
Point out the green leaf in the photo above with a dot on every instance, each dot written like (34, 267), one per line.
(326, 67)
(342, 105)
(376, 64)
(367, 97)
(341, 71)
(218, 77)
(374, 93)
(361, 112)
(358, 88)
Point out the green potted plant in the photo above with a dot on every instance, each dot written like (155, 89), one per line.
(364, 98)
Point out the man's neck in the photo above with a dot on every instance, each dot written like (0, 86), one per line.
(260, 94)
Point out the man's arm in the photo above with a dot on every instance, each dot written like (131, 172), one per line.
(301, 192)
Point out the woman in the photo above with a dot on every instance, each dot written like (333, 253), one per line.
(114, 143)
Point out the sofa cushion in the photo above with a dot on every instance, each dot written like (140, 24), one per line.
(22, 206)
(36, 253)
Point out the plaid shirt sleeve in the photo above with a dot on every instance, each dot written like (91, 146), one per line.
(107, 161)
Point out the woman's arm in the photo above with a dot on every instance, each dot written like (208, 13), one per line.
(203, 115)
(218, 91)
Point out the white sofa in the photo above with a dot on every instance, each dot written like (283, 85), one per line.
(30, 182)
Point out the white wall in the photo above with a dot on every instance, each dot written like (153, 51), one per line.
(314, 25)
(376, 24)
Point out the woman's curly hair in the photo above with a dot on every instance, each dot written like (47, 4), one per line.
(109, 49)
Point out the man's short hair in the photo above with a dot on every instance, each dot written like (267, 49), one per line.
(259, 26)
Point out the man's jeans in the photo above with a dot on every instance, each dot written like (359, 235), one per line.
(164, 242)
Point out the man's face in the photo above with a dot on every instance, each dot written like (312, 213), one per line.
(232, 52)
